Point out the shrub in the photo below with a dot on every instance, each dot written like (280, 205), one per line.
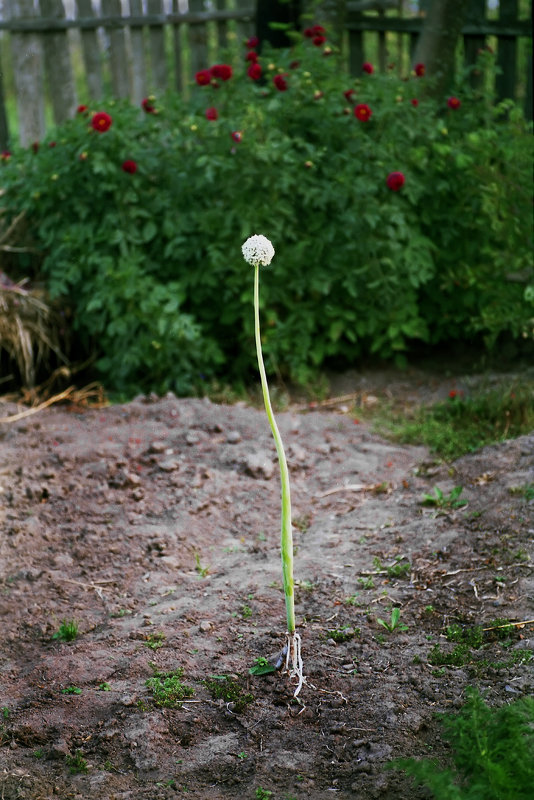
(409, 223)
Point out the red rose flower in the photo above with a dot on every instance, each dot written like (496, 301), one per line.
(347, 94)
(367, 67)
(453, 103)
(236, 136)
(251, 56)
(252, 42)
(101, 121)
(453, 393)
(35, 147)
(414, 102)
(5, 155)
(319, 40)
(81, 109)
(280, 83)
(419, 70)
(254, 71)
(314, 32)
(212, 113)
(362, 112)
(203, 78)
(148, 105)
(222, 71)
(129, 166)
(395, 181)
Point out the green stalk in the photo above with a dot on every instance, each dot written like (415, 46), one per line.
(287, 534)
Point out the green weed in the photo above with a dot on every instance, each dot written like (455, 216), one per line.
(439, 500)
(221, 687)
(462, 425)
(263, 794)
(202, 571)
(526, 491)
(492, 753)
(344, 634)
(168, 691)
(67, 632)
(394, 623)
(155, 640)
(76, 763)
(261, 666)
(71, 690)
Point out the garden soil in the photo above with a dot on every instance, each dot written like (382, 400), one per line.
(155, 526)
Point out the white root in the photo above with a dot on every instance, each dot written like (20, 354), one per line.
(294, 665)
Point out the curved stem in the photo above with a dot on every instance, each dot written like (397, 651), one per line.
(287, 534)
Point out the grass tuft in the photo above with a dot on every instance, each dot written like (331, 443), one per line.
(462, 425)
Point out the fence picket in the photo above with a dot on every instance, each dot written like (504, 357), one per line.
(507, 51)
(177, 47)
(158, 56)
(27, 56)
(118, 59)
(91, 52)
(137, 42)
(198, 40)
(58, 64)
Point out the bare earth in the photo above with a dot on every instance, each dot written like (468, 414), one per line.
(155, 525)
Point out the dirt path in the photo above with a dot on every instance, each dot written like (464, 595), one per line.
(155, 525)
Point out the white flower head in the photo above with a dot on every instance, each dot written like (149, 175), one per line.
(258, 250)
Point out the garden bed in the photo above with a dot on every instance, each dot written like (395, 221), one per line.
(153, 527)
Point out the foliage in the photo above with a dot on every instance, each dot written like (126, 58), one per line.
(441, 501)
(222, 687)
(460, 424)
(138, 223)
(67, 631)
(394, 623)
(492, 753)
(77, 763)
(168, 690)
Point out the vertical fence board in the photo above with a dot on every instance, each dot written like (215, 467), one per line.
(118, 59)
(505, 83)
(58, 64)
(245, 28)
(4, 125)
(137, 41)
(198, 40)
(27, 56)
(356, 52)
(222, 27)
(474, 42)
(382, 44)
(177, 47)
(158, 56)
(91, 52)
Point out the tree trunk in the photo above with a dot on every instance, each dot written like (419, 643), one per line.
(437, 44)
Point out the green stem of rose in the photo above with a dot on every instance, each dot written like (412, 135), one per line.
(287, 535)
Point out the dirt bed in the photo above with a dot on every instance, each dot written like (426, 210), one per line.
(155, 526)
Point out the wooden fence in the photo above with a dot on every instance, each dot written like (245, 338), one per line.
(158, 45)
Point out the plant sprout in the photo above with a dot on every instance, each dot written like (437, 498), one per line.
(258, 251)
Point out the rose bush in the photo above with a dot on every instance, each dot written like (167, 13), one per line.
(406, 221)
